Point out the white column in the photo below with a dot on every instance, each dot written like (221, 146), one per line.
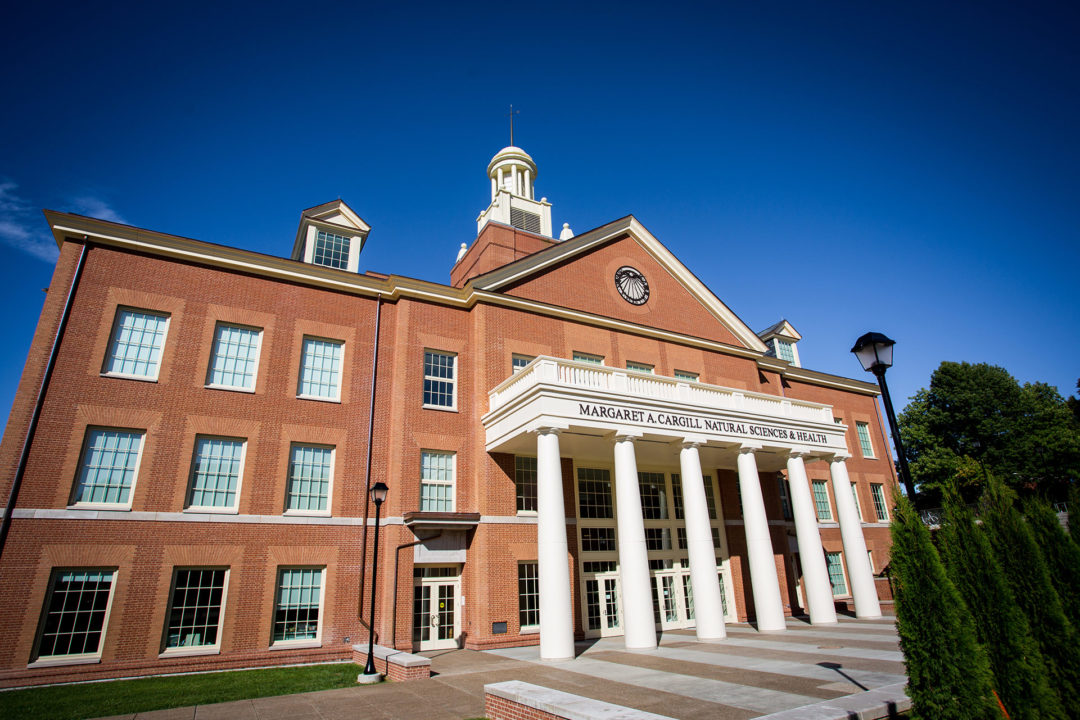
(556, 617)
(639, 624)
(759, 549)
(499, 177)
(514, 180)
(861, 575)
(708, 605)
(528, 184)
(811, 555)
(494, 188)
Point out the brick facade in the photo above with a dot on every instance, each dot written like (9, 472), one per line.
(290, 301)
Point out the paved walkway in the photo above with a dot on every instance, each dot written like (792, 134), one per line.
(745, 676)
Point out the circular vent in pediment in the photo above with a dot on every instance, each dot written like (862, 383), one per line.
(632, 285)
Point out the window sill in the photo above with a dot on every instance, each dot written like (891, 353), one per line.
(441, 408)
(211, 511)
(100, 506)
(336, 401)
(188, 652)
(307, 513)
(229, 388)
(527, 513)
(296, 644)
(532, 630)
(120, 376)
(57, 661)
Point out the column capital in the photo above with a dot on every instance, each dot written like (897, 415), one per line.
(837, 457)
(749, 448)
(799, 453)
(548, 430)
(687, 444)
(627, 437)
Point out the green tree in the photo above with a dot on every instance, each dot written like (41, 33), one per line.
(1062, 555)
(975, 420)
(1074, 513)
(1020, 557)
(1020, 675)
(948, 672)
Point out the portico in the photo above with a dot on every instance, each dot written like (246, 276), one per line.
(621, 425)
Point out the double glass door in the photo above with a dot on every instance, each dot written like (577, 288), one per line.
(673, 599)
(436, 619)
(603, 610)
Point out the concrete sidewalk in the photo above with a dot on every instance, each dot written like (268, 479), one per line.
(748, 675)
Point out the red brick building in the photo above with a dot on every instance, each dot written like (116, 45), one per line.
(571, 430)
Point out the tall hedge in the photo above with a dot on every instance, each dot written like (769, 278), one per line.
(948, 672)
(1020, 675)
(1016, 548)
(1062, 555)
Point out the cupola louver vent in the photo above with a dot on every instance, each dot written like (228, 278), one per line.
(530, 222)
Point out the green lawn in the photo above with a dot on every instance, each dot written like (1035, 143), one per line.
(92, 700)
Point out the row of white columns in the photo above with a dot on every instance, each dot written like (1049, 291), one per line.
(556, 615)
(521, 184)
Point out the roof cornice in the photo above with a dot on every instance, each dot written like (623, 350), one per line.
(67, 226)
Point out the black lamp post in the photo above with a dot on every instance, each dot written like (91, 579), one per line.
(378, 494)
(874, 351)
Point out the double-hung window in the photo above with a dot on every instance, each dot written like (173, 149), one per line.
(436, 481)
(835, 563)
(518, 362)
(880, 508)
(821, 500)
(588, 358)
(525, 483)
(75, 615)
(311, 469)
(855, 495)
(216, 473)
(235, 358)
(639, 367)
(320, 369)
(331, 250)
(110, 461)
(195, 610)
(785, 496)
(686, 376)
(440, 380)
(135, 346)
(528, 596)
(863, 431)
(297, 605)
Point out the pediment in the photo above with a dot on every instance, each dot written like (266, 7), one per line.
(580, 274)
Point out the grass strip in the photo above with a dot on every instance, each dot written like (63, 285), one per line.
(120, 697)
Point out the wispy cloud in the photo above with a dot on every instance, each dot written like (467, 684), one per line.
(18, 227)
(96, 208)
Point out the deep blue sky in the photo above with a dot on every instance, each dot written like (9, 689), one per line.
(907, 168)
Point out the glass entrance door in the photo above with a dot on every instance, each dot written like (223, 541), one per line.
(673, 599)
(602, 606)
(436, 620)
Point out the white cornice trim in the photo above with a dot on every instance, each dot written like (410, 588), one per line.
(65, 226)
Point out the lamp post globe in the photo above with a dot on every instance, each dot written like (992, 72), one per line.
(378, 495)
(875, 353)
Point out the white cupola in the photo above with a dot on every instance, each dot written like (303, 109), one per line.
(512, 173)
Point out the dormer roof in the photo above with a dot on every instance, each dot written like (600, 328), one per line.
(782, 329)
(335, 217)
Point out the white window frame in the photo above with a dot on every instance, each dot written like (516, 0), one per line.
(75, 658)
(687, 376)
(589, 358)
(516, 358)
(315, 249)
(452, 483)
(843, 574)
(633, 366)
(189, 650)
(528, 513)
(329, 486)
(884, 503)
(75, 503)
(235, 508)
(828, 501)
(858, 505)
(534, 628)
(452, 380)
(336, 398)
(113, 335)
(869, 440)
(299, 642)
(213, 356)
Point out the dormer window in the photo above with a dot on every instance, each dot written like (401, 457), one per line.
(784, 350)
(331, 250)
(780, 342)
(331, 235)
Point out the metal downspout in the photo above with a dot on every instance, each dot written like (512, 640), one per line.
(24, 456)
